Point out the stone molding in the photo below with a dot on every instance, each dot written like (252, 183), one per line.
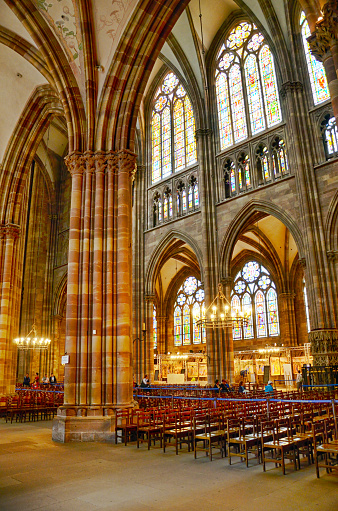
(290, 87)
(203, 132)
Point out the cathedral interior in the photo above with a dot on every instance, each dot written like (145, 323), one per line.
(152, 153)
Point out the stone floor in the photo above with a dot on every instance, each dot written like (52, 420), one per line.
(36, 473)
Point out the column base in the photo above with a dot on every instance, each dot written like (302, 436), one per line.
(83, 429)
(324, 347)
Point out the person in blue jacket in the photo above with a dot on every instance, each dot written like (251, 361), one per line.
(269, 387)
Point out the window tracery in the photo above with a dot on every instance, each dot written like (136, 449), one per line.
(188, 309)
(316, 71)
(255, 292)
(247, 109)
(279, 157)
(330, 136)
(172, 130)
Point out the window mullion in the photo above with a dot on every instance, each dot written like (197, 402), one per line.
(246, 101)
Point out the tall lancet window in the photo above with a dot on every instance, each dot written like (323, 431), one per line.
(173, 140)
(246, 86)
(319, 87)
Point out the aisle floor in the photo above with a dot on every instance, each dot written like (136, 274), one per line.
(36, 473)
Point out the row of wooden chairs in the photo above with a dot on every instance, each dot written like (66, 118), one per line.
(241, 429)
(29, 405)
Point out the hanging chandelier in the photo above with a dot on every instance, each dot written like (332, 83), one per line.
(219, 314)
(32, 342)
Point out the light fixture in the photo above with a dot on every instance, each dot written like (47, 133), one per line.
(31, 342)
(219, 315)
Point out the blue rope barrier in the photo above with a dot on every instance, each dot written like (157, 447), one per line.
(254, 400)
(323, 385)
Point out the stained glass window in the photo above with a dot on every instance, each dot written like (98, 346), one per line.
(319, 87)
(263, 163)
(173, 130)
(237, 104)
(154, 327)
(253, 88)
(247, 308)
(235, 306)
(188, 309)
(270, 93)
(184, 201)
(272, 308)
(260, 314)
(196, 196)
(255, 293)
(178, 326)
(245, 49)
(233, 178)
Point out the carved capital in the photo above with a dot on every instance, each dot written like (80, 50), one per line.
(11, 231)
(127, 162)
(100, 161)
(112, 162)
(332, 255)
(89, 158)
(200, 133)
(149, 298)
(75, 163)
(302, 262)
(290, 87)
(326, 31)
(227, 281)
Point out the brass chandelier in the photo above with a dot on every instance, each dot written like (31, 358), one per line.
(219, 314)
(32, 342)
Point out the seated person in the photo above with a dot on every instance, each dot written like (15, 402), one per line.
(52, 379)
(26, 381)
(145, 381)
(241, 388)
(45, 380)
(224, 386)
(269, 387)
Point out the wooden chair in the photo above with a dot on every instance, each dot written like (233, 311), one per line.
(322, 446)
(281, 446)
(181, 431)
(125, 421)
(209, 430)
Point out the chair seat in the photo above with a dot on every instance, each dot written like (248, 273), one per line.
(331, 447)
(280, 443)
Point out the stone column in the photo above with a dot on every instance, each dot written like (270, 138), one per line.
(76, 165)
(324, 47)
(286, 302)
(209, 272)
(9, 235)
(98, 378)
(126, 170)
(148, 341)
(228, 354)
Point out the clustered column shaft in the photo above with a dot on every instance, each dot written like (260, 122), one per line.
(98, 337)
